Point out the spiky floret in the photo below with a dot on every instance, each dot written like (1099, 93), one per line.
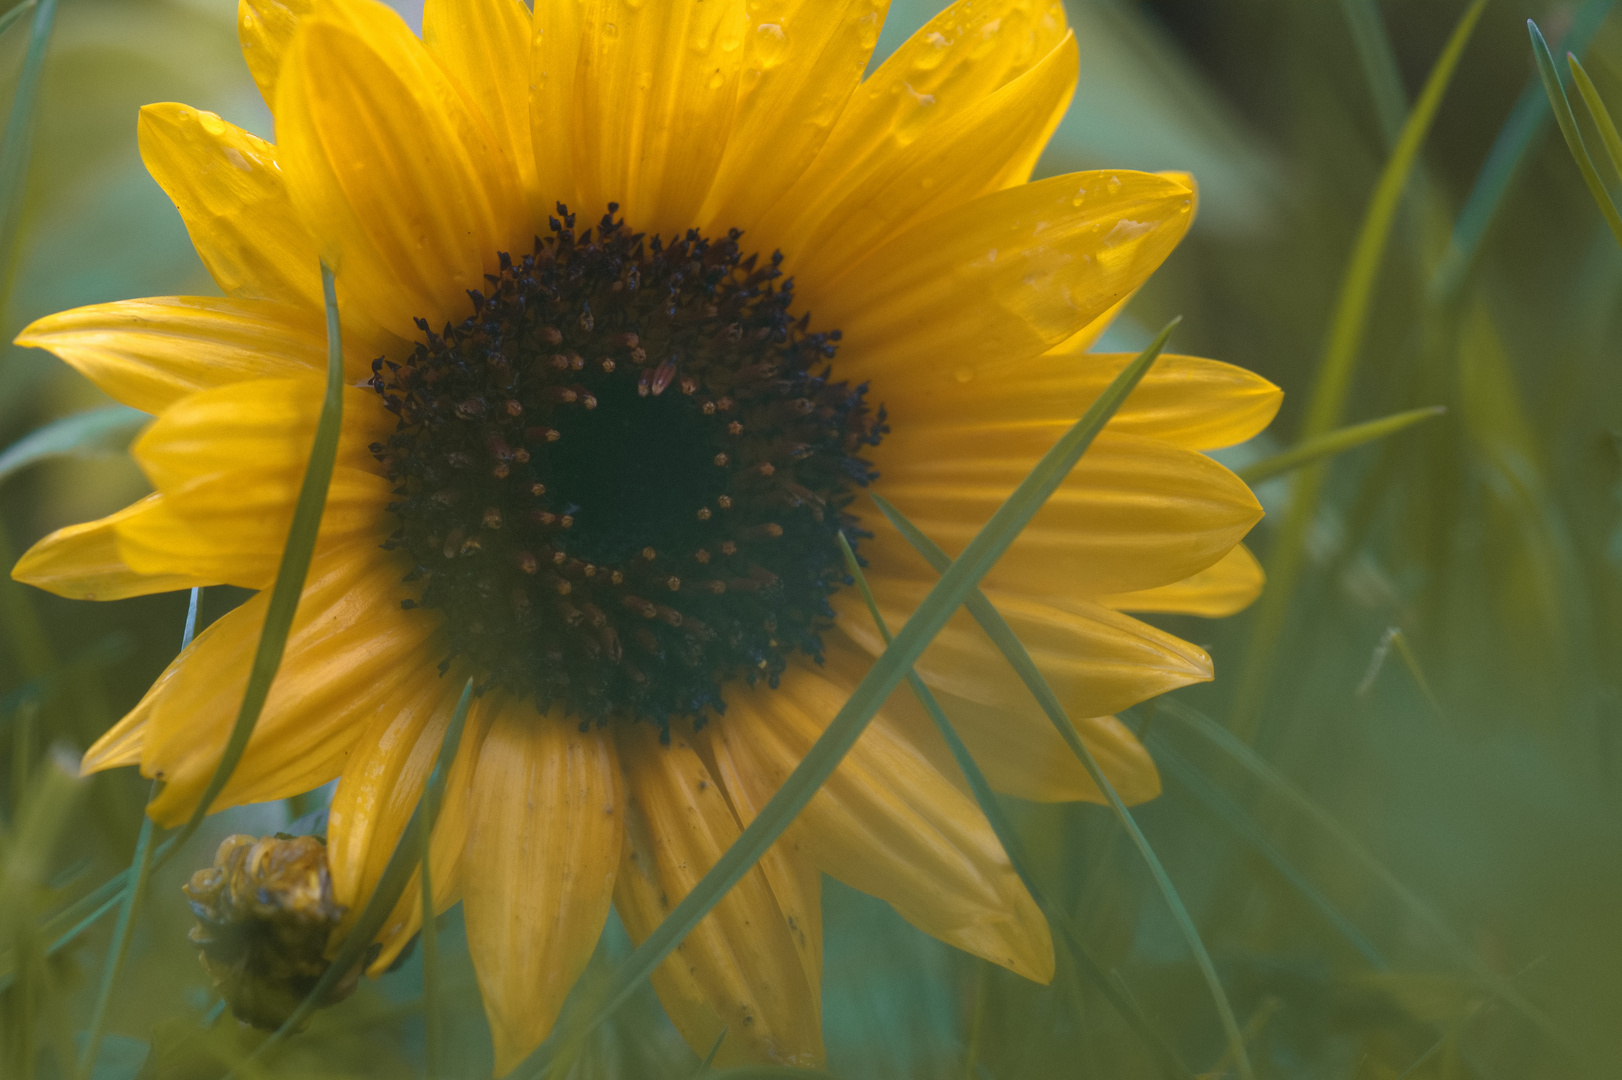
(621, 479)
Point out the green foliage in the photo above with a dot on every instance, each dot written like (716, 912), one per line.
(1408, 863)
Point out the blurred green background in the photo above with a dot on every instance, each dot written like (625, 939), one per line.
(1418, 877)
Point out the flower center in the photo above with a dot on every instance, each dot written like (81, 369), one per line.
(622, 478)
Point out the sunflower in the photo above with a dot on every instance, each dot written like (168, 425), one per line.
(639, 301)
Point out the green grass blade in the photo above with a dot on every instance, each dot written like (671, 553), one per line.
(129, 909)
(295, 565)
(17, 146)
(1526, 120)
(842, 732)
(9, 19)
(390, 887)
(1349, 845)
(1597, 110)
(1011, 647)
(130, 897)
(1335, 442)
(104, 430)
(1568, 127)
(997, 818)
(1195, 782)
(1379, 63)
(1334, 379)
(431, 1019)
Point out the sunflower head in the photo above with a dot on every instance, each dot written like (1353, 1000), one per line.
(622, 475)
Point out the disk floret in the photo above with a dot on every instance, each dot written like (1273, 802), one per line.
(622, 478)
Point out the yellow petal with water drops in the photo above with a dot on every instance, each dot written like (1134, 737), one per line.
(804, 59)
(449, 843)
(1097, 661)
(1134, 514)
(887, 821)
(149, 354)
(1000, 278)
(265, 29)
(543, 852)
(554, 57)
(229, 190)
(348, 643)
(1022, 754)
(739, 970)
(655, 89)
(404, 186)
(964, 156)
(1224, 588)
(485, 45)
(82, 562)
(961, 56)
(1184, 400)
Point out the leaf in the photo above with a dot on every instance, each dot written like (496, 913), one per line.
(1568, 127)
(96, 431)
(1335, 442)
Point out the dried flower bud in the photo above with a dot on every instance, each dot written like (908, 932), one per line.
(265, 913)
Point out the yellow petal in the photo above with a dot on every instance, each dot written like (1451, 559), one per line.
(230, 462)
(82, 562)
(402, 183)
(962, 56)
(448, 846)
(805, 57)
(384, 777)
(1098, 661)
(151, 353)
(960, 156)
(265, 29)
(656, 84)
(229, 191)
(1135, 513)
(543, 851)
(1002, 277)
(1185, 400)
(554, 56)
(887, 821)
(1224, 588)
(739, 969)
(1021, 754)
(349, 642)
(485, 45)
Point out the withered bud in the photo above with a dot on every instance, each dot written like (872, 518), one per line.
(265, 914)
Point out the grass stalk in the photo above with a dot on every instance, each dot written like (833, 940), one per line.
(1335, 442)
(1334, 379)
(1568, 127)
(1597, 110)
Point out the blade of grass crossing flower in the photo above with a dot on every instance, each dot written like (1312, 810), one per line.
(390, 887)
(847, 725)
(1520, 130)
(1002, 635)
(1597, 110)
(131, 896)
(709, 1058)
(1568, 127)
(997, 818)
(1346, 331)
(295, 564)
(1257, 766)
(1335, 442)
